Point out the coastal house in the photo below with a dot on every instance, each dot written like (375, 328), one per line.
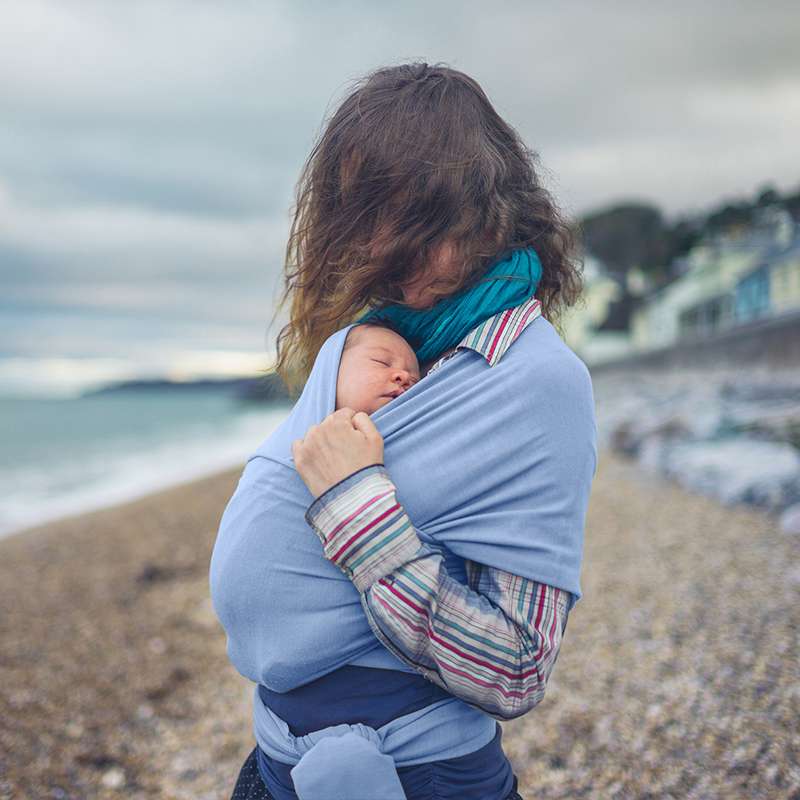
(597, 327)
(784, 287)
(771, 288)
(723, 281)
(752, 294)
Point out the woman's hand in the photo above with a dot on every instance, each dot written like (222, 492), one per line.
(345, 441)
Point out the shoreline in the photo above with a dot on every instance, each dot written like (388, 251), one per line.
(131, 496)
(676, 677)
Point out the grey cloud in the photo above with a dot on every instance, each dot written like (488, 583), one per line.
(158, 144)
(247, 85)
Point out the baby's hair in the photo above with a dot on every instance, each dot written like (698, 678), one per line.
(381, 323)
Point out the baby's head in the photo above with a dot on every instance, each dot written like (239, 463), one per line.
(377, 365)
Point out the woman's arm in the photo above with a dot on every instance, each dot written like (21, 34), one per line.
(492, 643)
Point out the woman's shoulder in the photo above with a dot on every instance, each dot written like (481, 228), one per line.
(554, 387)
(541, 357)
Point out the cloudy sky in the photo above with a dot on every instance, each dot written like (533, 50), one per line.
(149, 150)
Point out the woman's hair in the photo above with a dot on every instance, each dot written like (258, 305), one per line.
(414, 168)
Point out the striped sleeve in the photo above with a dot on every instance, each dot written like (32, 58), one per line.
(493, 643)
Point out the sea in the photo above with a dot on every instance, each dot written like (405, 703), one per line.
(66, 455)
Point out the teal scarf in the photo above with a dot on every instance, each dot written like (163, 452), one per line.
(509, 281)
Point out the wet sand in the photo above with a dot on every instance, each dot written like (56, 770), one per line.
(678, 675)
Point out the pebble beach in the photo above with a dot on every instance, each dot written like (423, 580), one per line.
(678, 675)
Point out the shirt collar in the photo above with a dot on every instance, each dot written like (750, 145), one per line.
(497, 333)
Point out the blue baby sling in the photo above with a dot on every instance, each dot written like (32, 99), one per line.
(519, 442)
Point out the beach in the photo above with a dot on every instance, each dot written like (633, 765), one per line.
(677, 678)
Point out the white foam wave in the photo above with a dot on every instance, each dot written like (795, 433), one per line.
(85, 484)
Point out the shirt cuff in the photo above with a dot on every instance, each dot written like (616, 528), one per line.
(363, 528)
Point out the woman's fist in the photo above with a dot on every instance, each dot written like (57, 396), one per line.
(345, 441)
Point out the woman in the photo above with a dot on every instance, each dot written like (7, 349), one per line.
(415, 189)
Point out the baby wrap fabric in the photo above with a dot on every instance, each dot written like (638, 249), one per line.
(359, 762)
(519, 443)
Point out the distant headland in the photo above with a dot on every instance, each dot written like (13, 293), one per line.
(268, 388)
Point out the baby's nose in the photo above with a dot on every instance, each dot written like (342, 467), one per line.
(403, 377)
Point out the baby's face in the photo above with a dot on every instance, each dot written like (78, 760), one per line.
(377, 365)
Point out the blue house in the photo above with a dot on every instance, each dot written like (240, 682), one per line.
(752, 294)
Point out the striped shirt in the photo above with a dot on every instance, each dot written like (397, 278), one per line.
(492, 642)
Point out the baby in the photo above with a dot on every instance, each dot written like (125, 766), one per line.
(377, 365)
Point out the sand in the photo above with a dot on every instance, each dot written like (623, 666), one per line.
(678, 675)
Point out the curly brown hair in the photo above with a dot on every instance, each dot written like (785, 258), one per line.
(413, 164)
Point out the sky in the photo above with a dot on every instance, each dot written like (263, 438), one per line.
(149, 151)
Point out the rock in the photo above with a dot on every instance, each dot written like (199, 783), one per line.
(153, 573)
(629, 436)
(21, 698)
(740, 470)
(204, 615)
(793, 575)
(74, 730)
(732, 435)
(113, 778)
(790, 519)
(176, 677)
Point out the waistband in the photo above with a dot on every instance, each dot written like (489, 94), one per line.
(342, 762)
